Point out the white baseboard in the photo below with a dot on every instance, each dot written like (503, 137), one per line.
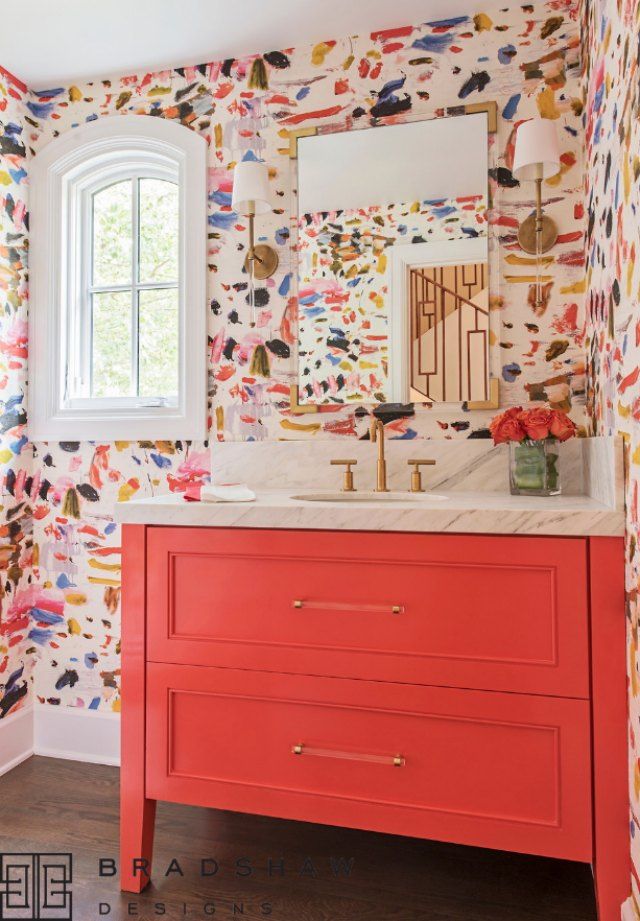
(76, 734)
(628, 911)
(16, 738)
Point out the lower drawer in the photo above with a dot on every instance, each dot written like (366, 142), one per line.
(490, 769)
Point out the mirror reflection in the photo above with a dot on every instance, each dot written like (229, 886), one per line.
(393, 264)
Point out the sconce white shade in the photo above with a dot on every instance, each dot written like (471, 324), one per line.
(537, 155)
(251, 187)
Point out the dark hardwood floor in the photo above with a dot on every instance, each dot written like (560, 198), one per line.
(51, 805)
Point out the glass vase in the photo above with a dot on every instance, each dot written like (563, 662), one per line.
(533, 468)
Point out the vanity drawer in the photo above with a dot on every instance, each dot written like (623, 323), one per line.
(505, 613)
(494, 770)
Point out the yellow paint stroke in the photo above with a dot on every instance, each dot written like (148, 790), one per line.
(630, 270)
(5, 456)
(76, 598)
(122, 445)
(526, 279)
(577, 287)
(75, 94)
(5, 178)
(165, 447)
(635, 457)
(348, 62)
(482, 22)
(626, 177)
(219, 418)
(73, 627)
(346, 366)
(547, 103)
(319, 53)
(115, 706)
(159, 91)
(381, 267)
(367, 365)
(514, 259)
(106, 567)
(96, 580)
(623, 411)
(217, 135)
(300, 426)
(564, 169)
(126, 491)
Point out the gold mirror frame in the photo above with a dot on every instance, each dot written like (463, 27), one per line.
(491, 108)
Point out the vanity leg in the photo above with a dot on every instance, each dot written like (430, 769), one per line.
(612, 846)
(136, 843)
(137, 813)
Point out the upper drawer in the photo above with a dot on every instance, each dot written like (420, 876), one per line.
(495, 613)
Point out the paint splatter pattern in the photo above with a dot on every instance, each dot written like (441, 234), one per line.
(526, 57)
(345, 289)
(612, 132)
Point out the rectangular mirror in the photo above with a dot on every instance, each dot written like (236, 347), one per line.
(392, 263)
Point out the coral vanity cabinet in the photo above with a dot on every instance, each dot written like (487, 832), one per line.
(464, 688)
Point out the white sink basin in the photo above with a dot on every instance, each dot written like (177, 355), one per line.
(408, 497)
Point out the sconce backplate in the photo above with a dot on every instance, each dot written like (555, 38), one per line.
(266, 261)
(527, 234)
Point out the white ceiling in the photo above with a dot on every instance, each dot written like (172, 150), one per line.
(45, 43)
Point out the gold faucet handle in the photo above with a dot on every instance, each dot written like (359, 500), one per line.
(348, 475)
(416, 476)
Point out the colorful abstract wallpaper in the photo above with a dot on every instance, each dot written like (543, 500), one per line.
(612, 137)
(345, 288)
(61, 548)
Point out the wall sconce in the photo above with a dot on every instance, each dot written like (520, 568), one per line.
(251, 197)
(537, 157)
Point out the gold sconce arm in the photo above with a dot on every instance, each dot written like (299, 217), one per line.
(538, 233)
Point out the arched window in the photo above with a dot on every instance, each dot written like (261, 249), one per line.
(118, 307)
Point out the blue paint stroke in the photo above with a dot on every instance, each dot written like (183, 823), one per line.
(222, 220)
(285, 285)
(511, 372)
(221, 198)
(511, 107)
(448, 23)
(506, 53)
(160, 461)
(435, 44)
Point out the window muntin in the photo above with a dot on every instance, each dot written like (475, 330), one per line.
(132, 226)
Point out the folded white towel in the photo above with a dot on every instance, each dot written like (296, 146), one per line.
(228, 492)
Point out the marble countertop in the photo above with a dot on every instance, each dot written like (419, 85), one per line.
(460, 512)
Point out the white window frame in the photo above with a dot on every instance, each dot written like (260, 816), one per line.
(64, 176)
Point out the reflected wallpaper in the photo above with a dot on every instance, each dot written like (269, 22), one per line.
(345, 289)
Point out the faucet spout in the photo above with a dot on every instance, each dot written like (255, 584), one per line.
(376, 434)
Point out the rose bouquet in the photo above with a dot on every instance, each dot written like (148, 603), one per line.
(533, 436)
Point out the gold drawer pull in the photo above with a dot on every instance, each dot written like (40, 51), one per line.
(392, 760)
(347, 606)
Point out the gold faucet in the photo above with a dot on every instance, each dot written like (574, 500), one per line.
(376, 433)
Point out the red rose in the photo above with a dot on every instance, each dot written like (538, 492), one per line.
(562, 427)
(536, 423)
(507, 426)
